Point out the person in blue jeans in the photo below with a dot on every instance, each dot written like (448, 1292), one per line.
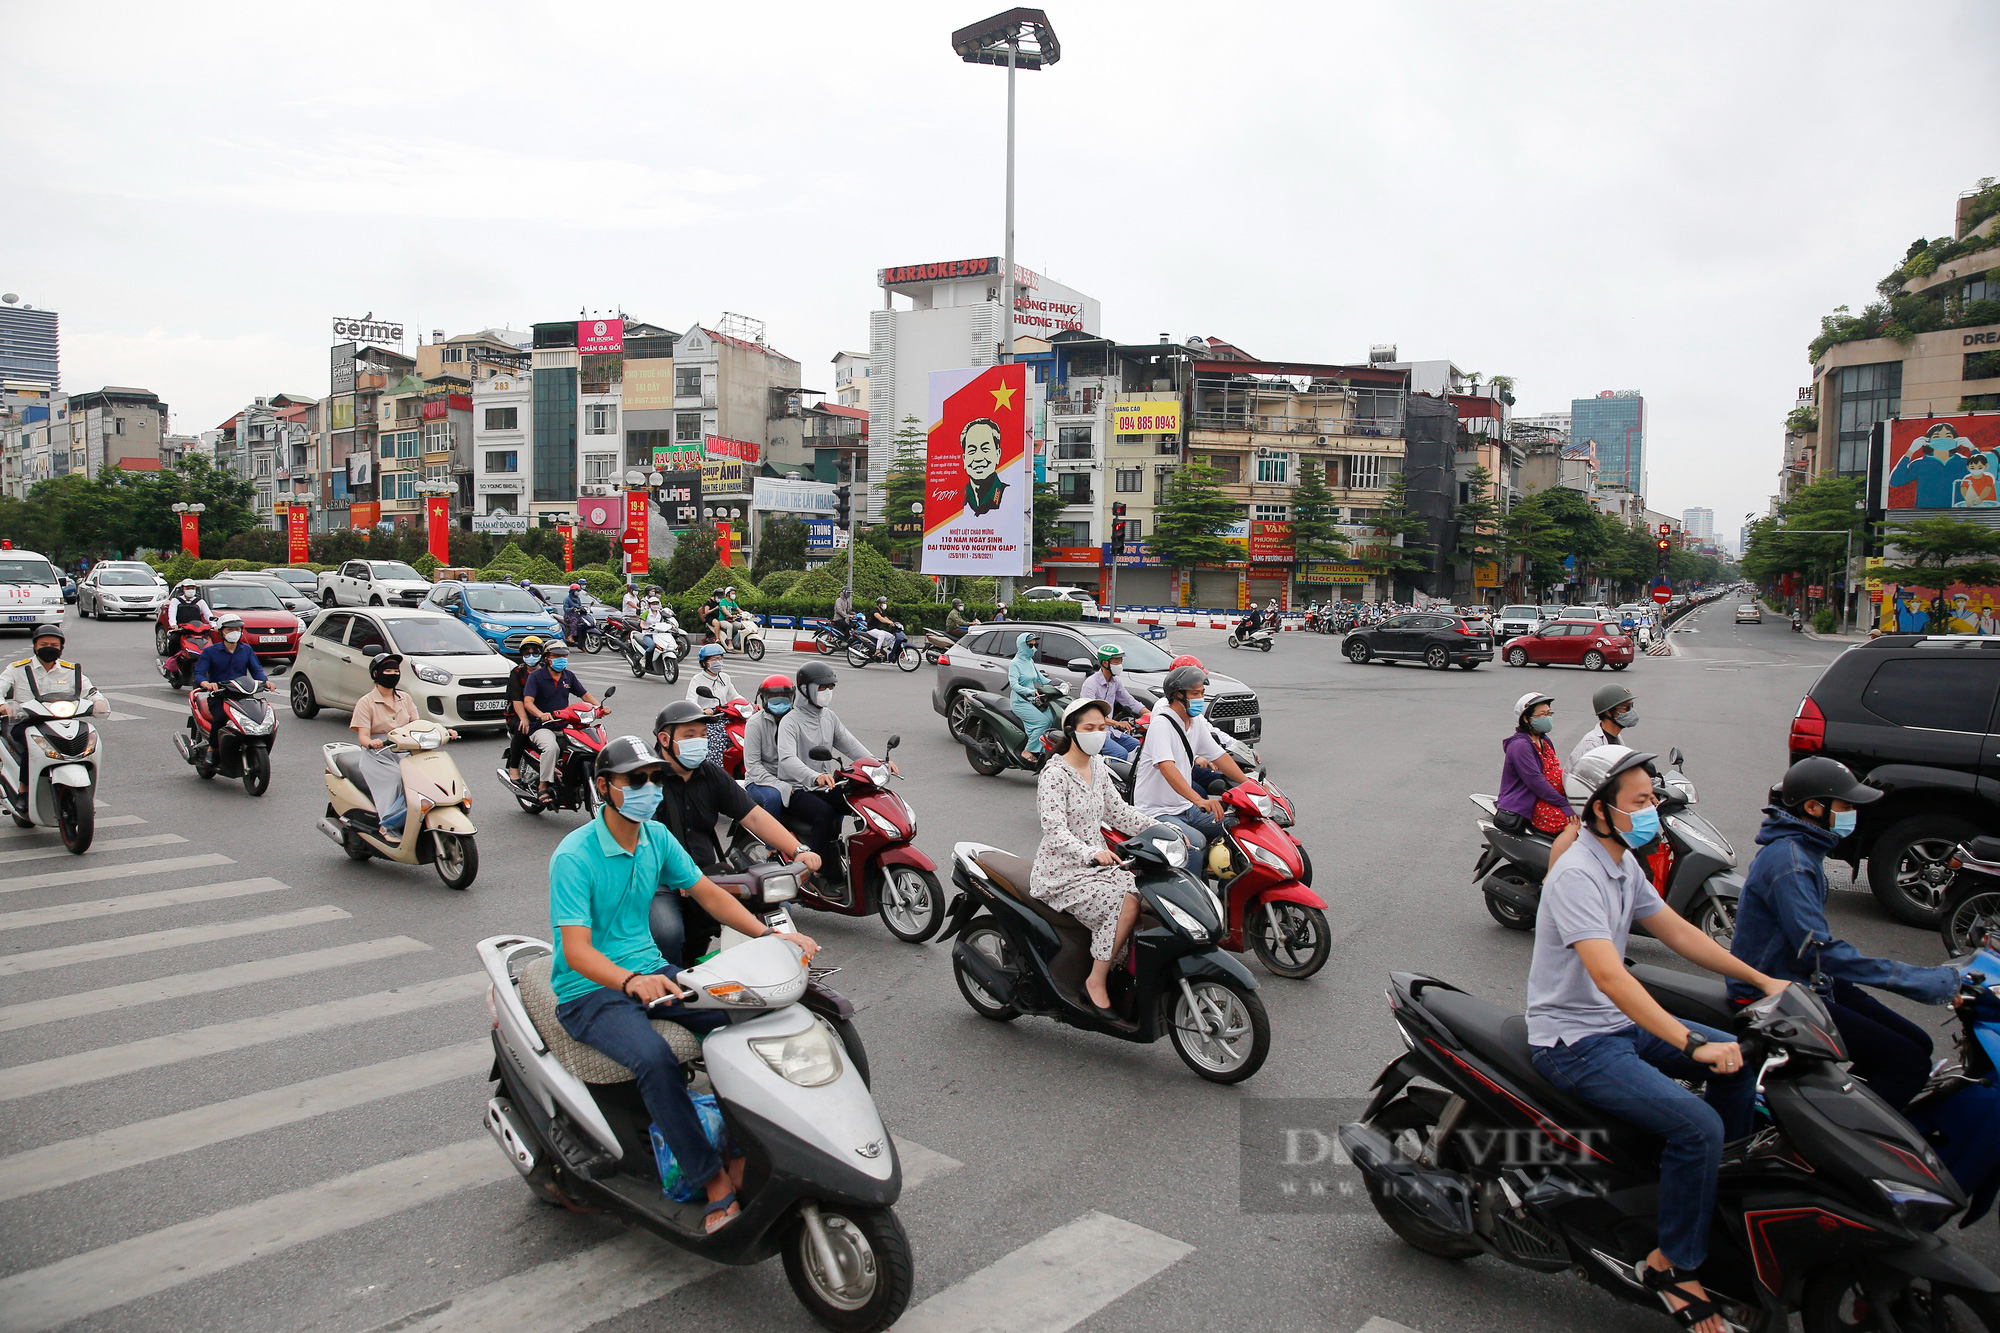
(1594, 1032)
(607, 969)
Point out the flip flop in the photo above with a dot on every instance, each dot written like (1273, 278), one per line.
(722, 1205)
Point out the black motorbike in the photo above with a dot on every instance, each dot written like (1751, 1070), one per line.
(862, 650)
(1827, 1209)
(230, 731)
(1702, 886)
(1015, 955)
(836, 635)
(1972, 902)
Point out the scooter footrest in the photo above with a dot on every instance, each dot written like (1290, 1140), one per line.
(587, 1160)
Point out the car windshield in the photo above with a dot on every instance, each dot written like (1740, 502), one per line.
(26, 569)
(504, 601)
(1516, 612)
(299, 576)
(125, 578)
(277, 586)
(240, 597)
(393, 569)
(1140, 654)
(433, 636)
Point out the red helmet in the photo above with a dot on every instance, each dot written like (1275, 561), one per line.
(1186, 659)
(775, 685)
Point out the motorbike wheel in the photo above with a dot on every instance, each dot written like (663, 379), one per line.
(1716, 920)
(984, 937)
(1967, 920)
(827, 642)
(872, 1285)
(673, 672)
(20, 821)
(911, 903)
(1357, 651)
(909, 659)
(982, 752)
(457, 859)
(592, 642)
(1908, 870)
(858, 654)
(1236, 1051)
(1298, 946)
(754, 649)
(305, 706)
(638, 665)
(159, 642)
(204, 769)
(1620, 666)
(1507, 914)
(256, 770)
(1305, 865)
(1266, 645)
(1407, 1123)
(1836, 1302)
(931, 656)
(529, 804)
(76, 816)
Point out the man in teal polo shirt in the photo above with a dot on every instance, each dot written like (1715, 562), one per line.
(607, 969)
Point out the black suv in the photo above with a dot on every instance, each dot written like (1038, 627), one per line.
(1437, 639)
(1914, 715)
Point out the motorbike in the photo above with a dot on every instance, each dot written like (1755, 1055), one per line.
(48, 773)
(750, 634)
(184, 644)
(437, 828)
(627, 635)
(230, 732)
(735, 716)
(1958, 1111)
(861, 651)
(1013, 954)
(1693, 866)
(1827, 1209)
(936, 644)
(984, 723)
(878, 867)
(583, 630)
(823, 1174)
(833, 637)
(1972, 902)
(579, 736)
(1263, 876)
(1260, 638)
(1798, 623)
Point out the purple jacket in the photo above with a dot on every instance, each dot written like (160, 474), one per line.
(1521, 779)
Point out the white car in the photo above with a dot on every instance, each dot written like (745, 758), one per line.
(454, 675)
(373, 583)
(1514, 621)
(1049, 593)
(120, 588)
(30, 590)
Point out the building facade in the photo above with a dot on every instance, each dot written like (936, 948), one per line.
(1699, 524)
(851, 375)
(1615, 420)
(30, 346)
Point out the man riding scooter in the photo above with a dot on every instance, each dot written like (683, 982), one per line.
(956, 622)
(885, 630)
(219, 664)
(809, 724)
(189, 608)
(1178, 736)
(519, 724)
(547, 690)
(45, 676)
(1104, 684)
(1781, 930)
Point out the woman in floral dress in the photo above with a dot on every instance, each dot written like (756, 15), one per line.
(1074, 871)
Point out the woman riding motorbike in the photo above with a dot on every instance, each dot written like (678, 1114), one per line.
(1023, 679)
(1531, 782)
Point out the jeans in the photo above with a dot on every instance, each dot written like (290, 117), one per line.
(1197, 825)
(616, 1024)
(1892, 1054)
(1630, 1073)
(770, 798)
(682, 927)
(1117, 745)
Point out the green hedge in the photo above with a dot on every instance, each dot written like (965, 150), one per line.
(915, 615)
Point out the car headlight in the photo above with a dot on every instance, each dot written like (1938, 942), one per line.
(1264, 856)
(1190, 927)
(810, 1059)
(433, 675)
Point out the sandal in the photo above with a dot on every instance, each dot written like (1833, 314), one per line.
(1667, 1281)
(710, 1224)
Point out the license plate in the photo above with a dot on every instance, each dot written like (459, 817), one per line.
(23, 620)
(488, 705)
(1242, 724)
(271, 638)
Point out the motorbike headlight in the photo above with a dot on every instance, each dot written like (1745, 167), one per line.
(877, 774)
(257, 726)
(1915, 1204)
(881, 823)
(810, 1059)
(780, 888)
(1265, 806)
(1173, 851)
(1190, 927)
(1264, 856)
(433, 675)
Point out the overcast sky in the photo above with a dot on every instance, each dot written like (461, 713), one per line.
(1584, 197)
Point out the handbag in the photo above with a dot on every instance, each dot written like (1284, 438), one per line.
(1507, 821)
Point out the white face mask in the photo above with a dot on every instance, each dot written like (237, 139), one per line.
(231, 636)
(1117, 668)
(1090, 742)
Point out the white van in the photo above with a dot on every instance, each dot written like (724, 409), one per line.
(30, 592)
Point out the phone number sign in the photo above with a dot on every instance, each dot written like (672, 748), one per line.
(1153, 418)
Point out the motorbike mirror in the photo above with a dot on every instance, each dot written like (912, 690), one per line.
(1674, 759)
(819, 752)
(894, 741)
(608, 693)
(704, 691)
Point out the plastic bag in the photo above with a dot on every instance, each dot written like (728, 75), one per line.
(673, 1181)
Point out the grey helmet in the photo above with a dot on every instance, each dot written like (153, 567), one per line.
(1182, 679)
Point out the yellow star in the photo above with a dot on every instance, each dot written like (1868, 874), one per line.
(1003, 397)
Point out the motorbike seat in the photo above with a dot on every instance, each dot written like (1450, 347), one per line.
(1703, 999)
(348, 763)
(987, 699)
(1072, 961)
(1984, 849)
(586, 1062)
(1500, 1037)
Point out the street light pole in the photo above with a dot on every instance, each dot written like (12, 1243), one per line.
(1007, 282)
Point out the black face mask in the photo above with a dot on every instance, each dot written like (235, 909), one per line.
(49, 654)
(389, 682)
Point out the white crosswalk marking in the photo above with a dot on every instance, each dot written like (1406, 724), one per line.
(58, 1007)
(8, 856)
(137, 902)
(1052, 1283)
(101, 1279)
(1380, 1325)
(571, 1294)
(125, 946)
(109, 821)
(68, 1071)
(171, 706)
(92, 874)
(72, 1160)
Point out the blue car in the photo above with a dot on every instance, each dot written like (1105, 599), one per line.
(503, 614)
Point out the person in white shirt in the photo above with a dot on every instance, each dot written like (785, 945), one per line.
(47, 677)
(1177, 736)
(1615, 711)
(629, 603)
(721, 690)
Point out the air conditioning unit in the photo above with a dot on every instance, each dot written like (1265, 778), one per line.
(596, 488)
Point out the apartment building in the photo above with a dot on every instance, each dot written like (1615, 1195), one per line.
(502, 414)
(269, 444)
(362, 373)
(852, 372)
(30, 344)
(1615, 420)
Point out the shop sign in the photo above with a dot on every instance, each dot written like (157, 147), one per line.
(596, 336)
(497, 485)
(717, 446)
(367, 329)
(676, 456)
(1148, 418)
(1486, 575)
(819, 536)
(514, 523)
(1271, 541)
(680, 498)
(951, 268)
(1073, 555)
(795, 497)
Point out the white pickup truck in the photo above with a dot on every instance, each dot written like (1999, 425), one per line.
(373, 583)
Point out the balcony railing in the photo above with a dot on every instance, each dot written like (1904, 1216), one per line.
(1255, 424)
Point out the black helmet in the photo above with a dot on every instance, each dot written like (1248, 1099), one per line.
(816, 673)
(1182, 679)
(624, 754)
(678, 712)
(1821, 779)
(385, 662)
(49, 630)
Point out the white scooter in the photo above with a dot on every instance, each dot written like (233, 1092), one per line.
(59, 790)
(822, 1174)
(1260, 638)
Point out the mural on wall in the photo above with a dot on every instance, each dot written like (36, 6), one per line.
(1944, 462)
(1906, 609)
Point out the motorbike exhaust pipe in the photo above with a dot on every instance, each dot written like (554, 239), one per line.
(509, 1133)
(332, 830)
(181, 744)
(990, 978)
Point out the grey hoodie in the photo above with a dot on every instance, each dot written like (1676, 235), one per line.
(806, 726)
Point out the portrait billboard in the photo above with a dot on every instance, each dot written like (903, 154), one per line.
(975, 487)
(1948, 462)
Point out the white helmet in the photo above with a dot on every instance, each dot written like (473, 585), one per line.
(1531, 700)
(1599, 767)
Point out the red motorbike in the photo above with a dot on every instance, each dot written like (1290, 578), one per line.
(185, 643)
(877, 869)
(1263, 875)
(579, 736)
(230, 732)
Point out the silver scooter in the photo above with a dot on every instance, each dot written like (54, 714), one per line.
(822, 1174)
(57, 788)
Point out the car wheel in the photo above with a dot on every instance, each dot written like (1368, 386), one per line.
(1593, 660)
(1909, 870)
(1620, 666)
(305, 705)
(1436, 658)
(1357, 651)
(82, 611)
(328, 599)
(374, 601)
(1517, 657)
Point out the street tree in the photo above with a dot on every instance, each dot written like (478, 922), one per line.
(903, 486)
(1938, 552)
(1316, 537)
(1192, 516)
(783, 546)
(1529, 536)
(1047, 513)
(1479, 540)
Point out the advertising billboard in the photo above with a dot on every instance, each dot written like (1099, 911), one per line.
(793, 497)
(364, 514)
(649, 385)
(1270, 542)
(637, 513)
(1942, 463)
(975, 487)
(680, 498)
(718, 446)
(722, 476)
(599, 336)
(1148, 418)
(602, 513)
(360, 469)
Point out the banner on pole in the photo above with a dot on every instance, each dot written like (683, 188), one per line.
(191, 534)
(975, 487)
(636, 555)
(295, 531)
(437, 510)
(722, 536)
(569, 549)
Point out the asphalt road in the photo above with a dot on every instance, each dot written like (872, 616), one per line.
(295, 1143)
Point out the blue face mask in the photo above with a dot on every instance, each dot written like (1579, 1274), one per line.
(1645, 827)
(1196, 707)
(641, 802)
(1544, 725)
(531, 659)
(778, 707)
(692, 753)
(1844, 821)
(558, 665)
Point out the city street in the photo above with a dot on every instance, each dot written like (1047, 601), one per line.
(244, 1076)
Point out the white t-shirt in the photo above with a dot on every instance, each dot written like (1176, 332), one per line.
(1151, 793)
(1590, 741)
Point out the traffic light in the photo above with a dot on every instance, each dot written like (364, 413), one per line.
(1118, 509)
(1665, 546)
(843, 505)
(1118, 536)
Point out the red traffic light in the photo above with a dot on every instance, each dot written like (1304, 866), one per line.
(1664, 544)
